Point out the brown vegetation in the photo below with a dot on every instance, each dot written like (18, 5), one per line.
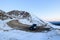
(19, 26)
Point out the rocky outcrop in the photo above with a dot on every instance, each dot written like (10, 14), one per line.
(2, 16)
(14, 14)
(21, 14)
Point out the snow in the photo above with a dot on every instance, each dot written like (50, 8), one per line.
(54, 26)
(25, 21)
(3, 25)
(34, 21)
(23, 35)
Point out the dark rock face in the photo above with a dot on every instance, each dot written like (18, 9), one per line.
(14, 12)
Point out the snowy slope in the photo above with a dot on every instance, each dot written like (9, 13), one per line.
(8, 33)
(22, 35)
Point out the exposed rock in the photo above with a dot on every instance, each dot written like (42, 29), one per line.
(2, 16)
(14, 14)
(21, 14)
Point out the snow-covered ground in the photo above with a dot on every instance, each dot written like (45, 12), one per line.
(22, 35)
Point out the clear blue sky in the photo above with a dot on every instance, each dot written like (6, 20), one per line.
(44, 9)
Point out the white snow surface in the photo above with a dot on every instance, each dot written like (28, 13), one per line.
(23, 35)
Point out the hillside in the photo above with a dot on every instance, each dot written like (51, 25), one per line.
(14, 25)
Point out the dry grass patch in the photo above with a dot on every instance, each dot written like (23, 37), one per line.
(19, 26)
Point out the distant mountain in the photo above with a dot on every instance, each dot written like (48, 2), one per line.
(55, 22)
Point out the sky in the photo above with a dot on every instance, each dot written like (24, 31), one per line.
(48, 10)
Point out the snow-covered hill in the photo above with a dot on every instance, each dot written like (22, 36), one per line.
(9, 33)
(6, 33)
